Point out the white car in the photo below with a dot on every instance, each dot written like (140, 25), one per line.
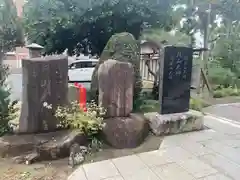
(81, 70)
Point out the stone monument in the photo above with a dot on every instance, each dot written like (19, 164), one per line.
(175, 79)
(44, 80)
(116, 88)
(174, 115)
(123, 128)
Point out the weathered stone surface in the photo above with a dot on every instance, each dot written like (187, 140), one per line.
(122, 47)
(28, 158)
(175, 123)
(126, 132)
(44, 80)
(77, 155)
(48, 146)
(116, 88)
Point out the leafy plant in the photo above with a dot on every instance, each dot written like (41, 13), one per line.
(80, 25)
(8, 108)
(89, 122)
(198, 104)
(11, 34)
(224, 92)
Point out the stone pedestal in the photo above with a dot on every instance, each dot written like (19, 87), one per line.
(126, 132)
(175, 123)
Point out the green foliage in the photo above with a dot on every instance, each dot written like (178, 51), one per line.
(154, 106)
(224, 92)
(226, 49)
(158, 35)
(8, 109)
(89, 122)
(198, 104)
(10, 27)
(122, 47)
(219, 76)
(80, 25)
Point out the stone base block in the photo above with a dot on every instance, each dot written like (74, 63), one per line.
(48, 146)
(126, 132)
(175, 123)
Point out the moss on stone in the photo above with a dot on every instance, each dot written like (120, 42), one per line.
(122, 47)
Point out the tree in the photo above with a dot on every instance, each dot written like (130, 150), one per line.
(83, 26)
(10, 28)
(226, 49)
(174, 37)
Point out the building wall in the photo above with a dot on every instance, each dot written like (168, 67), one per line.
(19, 51)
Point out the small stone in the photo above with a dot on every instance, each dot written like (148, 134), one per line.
(76, 156)
(83, 150)
(31, 158)
(18, 160)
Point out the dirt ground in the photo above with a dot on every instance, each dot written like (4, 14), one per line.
(57, 170)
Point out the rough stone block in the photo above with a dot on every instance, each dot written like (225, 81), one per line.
(126, 132)
(116, 88)
(175, 123)
(49, 146)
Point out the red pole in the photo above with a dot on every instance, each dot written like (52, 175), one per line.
(82, 96)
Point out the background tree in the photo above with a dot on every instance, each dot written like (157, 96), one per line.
(10, 28)
(83, 26)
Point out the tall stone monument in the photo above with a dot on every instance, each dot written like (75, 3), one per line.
(116, 88)
(123, 128)
(174, 115)
(175, 79)
(44, 80)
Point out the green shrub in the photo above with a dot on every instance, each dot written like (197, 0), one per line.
(149, 106)
(7, 107)
(219, 76)
(224, 92)
(73, 117)
(198, 104)
(154, 106)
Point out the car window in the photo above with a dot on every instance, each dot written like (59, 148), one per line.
(72, 66)
(87, 64)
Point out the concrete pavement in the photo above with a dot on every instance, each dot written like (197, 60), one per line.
(211, 154)
(229, 111)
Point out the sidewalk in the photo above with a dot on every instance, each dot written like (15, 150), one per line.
(205, 155)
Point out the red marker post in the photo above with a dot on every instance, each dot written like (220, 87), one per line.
(82, 96)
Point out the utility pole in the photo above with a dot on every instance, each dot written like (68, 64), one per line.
(191, 41)
(206, 38)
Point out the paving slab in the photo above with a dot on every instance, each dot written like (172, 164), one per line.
(197, 168)
(216, 177)
(144, 174)
(155, 158)
(129, 165)
(223, 165)
(172, 172)
(100, 170)
(211, 154)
